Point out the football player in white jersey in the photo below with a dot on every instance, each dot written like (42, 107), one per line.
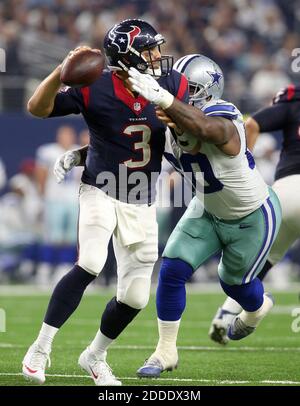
(240, 218)
(283, 114)
(58, 250)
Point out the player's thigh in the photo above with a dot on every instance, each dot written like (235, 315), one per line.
(288, 192)
(284, 240)
(135, 262)
(54, 221)
(194, 239)
(71, 216)
(249, 242)
(97, 221)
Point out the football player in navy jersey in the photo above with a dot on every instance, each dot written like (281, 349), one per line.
(126, 145)
(284, 115)
(239, 216)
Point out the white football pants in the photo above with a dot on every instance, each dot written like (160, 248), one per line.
(288, 192)
(135, 241)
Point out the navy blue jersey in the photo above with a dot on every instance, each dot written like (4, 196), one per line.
(124, 134)
(284, 114)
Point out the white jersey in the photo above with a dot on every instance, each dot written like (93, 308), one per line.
(233, 187)
(66, 191)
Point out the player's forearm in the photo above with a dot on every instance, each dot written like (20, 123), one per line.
(191, 120)
(252, 132)
(42, 101)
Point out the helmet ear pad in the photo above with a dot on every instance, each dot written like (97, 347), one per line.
(131, 59)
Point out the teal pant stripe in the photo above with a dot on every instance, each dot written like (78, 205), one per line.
(270, 227)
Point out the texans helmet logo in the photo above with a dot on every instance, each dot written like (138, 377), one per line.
(124, 40)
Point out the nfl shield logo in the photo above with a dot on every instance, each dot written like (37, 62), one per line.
(137, 106)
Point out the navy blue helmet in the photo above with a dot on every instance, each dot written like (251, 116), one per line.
(125, 42)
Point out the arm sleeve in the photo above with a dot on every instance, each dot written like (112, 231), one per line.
(67, 101)
(83, 155)
(228, 111)
(272, 118)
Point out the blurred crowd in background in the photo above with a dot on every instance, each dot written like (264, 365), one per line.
(252, 41)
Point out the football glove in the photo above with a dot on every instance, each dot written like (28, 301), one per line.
(65, 163)
(149, 88)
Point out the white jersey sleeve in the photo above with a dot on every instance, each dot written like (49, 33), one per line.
(242, 188)
(233, 187)
(221, 108)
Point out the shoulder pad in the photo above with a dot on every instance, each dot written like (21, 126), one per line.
(290, 93)
(221, 108)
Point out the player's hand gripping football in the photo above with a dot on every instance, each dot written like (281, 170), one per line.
(73, 53)
(82, 67)
(80, 49)
(149, 88)
(65, 163)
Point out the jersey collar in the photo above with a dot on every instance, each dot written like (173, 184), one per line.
(136, 104)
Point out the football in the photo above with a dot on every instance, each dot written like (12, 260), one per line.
(82, 67)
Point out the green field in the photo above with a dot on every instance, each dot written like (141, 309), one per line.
(271, 356)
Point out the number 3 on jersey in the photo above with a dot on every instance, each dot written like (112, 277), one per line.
(143, 145)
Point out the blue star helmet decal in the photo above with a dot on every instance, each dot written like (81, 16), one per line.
(216, 76)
